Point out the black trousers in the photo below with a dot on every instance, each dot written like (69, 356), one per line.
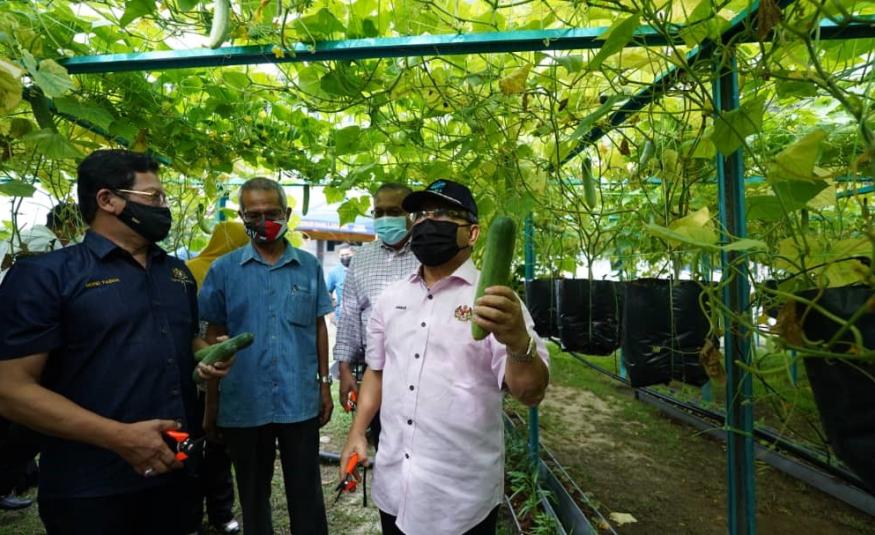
(163, 509)
(487, 527)
(214, 482)
(253, 451)
(18, 449)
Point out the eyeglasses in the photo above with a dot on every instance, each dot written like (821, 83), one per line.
(155, 198)
(377, 213)
(272, 215)
(441, 214)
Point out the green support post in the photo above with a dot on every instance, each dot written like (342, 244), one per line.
(739, 404)
(529, 249)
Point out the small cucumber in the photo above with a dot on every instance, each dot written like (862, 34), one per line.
(646, 155)
(306, 204)
(223, 351)
(496, 262)
(589, 194)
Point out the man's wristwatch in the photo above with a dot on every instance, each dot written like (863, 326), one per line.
(526, 356)
(325, 379)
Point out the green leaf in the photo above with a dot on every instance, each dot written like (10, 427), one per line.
(333, 195)
(370, 28)
(793, 88)
(135, 9)
(124, 129)
(731, 128)
(20, 127)
(353, 208)
(617, 37)
(51, 145)
(342, 82)
(93, 113)
(319, 26)
(746, 244)
(681, 237)
(187, 5)
(587, 122)
(49, 75)
(572, 63)
(796, 162)
(764, 208)
(16, 188)
(347, 140)
(236, 80)
(795, 194)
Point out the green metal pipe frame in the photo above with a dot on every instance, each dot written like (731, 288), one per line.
(741, 499)
(424, 45)
(740, 460)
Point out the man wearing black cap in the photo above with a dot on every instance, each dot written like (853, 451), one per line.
(439, 469)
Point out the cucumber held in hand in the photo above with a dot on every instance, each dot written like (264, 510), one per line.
(496, 262)
(222, 351)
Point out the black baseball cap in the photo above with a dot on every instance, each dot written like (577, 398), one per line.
(444, 190)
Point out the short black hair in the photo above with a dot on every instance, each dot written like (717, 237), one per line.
(393, 186)
(263, 184)
(60, 215)
(111, 169)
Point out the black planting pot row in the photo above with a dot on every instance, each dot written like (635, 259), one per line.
(659, 323)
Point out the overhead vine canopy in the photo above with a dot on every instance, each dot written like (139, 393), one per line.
(516, 126)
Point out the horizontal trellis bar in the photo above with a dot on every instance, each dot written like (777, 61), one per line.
(393, 47)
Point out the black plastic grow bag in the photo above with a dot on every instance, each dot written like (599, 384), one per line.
(541, 302)
(664, 328)
(843, 390)
(588, 314)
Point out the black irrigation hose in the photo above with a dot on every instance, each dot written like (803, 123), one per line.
(780, 443)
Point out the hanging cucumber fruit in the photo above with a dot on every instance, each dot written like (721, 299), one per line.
(39, 104)
(589, 195)
(306, 206)
(646, 155)
(496, 262)
(221, 17)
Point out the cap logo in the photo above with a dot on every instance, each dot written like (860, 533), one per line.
(438, 186)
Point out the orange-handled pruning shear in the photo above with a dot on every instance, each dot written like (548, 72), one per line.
(351, 400)
(349, 482)
(185, 446)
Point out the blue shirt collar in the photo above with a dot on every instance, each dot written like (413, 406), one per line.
(289, 255)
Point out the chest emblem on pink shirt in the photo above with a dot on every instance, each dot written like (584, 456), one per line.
(463, 313)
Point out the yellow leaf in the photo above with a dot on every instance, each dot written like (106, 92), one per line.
(796, 162)
(697, 226)
(516, 82)
(10, 87)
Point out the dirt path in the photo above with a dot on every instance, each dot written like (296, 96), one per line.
(633, 460)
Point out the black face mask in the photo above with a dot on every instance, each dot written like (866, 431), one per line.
(345, 261)
(150, 222)
(434, 242)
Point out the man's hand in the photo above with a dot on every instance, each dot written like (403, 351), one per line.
(327, 404)
(347, 384)
(142, 445)
(500, 313)
(217, 370)
(355, 443)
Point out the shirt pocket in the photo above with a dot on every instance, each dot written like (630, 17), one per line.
(300, 306)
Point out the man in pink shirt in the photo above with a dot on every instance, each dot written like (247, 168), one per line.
(440, 467)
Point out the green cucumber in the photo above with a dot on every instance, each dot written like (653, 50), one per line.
(496, 262)
(646, 155)
(219, 29)
(222, 351)
(589, 196)
(42, 112)
(306, 205)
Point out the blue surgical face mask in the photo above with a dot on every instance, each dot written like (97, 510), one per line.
(391, 229)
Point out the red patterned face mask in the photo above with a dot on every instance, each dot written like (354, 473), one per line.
(266, 230)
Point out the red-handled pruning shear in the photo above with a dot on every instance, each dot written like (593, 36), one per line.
(185, 446)
(349, 482)
(351, 400)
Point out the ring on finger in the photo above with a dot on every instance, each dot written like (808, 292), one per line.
(149, 472)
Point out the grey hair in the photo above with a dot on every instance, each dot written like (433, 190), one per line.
(263, 184)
